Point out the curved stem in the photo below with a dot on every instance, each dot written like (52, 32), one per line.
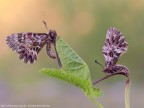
(127, 88)
(107, 76)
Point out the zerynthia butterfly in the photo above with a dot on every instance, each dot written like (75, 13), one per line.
(28, 45)
(115, 45)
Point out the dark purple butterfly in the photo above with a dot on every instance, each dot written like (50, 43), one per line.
(28, 45)
(115, 45)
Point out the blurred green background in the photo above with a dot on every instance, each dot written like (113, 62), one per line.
(83, 25)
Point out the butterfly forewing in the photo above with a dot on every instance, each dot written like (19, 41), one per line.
(114, 46)
(27, 45)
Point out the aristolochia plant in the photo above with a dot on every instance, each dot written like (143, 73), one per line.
(71, 67)
(74, 70)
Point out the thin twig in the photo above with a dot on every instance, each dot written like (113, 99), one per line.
(107, 76)
(57, 56)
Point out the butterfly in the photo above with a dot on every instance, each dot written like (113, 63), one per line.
(115, 45)
(29, 44)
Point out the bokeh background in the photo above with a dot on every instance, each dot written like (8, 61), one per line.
(83, 25)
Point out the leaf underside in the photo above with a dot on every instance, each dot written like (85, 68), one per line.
(74, 70)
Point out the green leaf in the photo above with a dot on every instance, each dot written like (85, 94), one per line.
(74, 70)
(71, 62)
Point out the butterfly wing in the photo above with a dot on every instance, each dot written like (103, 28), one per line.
(120, 69)
(27, 45)
(115, 45)
(49, 51)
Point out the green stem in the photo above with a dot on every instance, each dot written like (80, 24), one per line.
(127, 88)
(95, 102)
(127, 92)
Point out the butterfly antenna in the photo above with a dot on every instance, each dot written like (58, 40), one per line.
(45, 25)
(99, 63)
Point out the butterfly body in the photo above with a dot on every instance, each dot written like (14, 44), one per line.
(115, 45)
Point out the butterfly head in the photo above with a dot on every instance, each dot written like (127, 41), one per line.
(52, 35)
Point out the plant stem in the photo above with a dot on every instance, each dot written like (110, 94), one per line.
(95, 102)
(107, 76)
(57, 56)
(127, 92)
(127, 88)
